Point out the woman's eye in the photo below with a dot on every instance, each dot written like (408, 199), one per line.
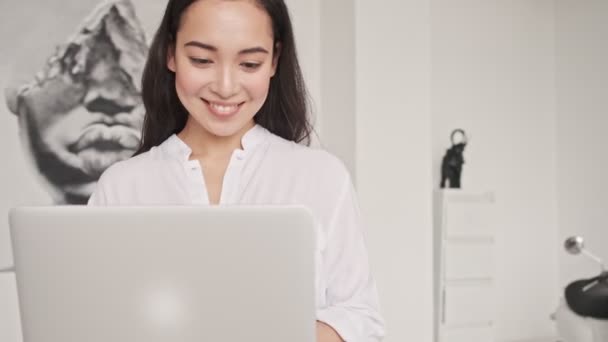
(200, 61)
(250, 66)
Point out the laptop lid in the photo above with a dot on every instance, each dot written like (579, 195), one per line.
(124, 274)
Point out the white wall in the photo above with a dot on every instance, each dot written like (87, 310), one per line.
(582, 123)
(10, 325)
(338, 80)
(393, 158)
(493, 75)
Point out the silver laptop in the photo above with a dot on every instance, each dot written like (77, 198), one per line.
(180, 274)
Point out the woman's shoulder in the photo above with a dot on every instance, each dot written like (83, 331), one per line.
(130, 169)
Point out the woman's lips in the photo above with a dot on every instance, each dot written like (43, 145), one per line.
(223, 110)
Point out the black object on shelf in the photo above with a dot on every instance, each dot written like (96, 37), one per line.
(451, 166)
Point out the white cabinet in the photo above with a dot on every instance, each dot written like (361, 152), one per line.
(464, 266)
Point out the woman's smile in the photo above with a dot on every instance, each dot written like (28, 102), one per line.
(221, 109)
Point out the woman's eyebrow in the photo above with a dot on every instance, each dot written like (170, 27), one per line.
(257, 49)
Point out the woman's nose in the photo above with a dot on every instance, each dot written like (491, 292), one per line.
(226, 83)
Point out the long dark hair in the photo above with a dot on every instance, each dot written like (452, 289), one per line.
(284, 112)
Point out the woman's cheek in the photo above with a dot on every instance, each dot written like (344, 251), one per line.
(258, 86)
(192, 80)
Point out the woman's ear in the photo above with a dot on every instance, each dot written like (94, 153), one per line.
(275, 58)
(171, 57)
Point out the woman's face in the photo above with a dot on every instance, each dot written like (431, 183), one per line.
(223, 61)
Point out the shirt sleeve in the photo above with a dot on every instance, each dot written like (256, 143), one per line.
(352, 301)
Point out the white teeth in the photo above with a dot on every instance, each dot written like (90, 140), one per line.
(224, 109)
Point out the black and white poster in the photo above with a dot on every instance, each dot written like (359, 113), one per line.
(71, 103)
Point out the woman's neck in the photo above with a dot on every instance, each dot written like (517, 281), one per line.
(205, 144)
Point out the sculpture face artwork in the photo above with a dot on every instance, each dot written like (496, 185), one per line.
(451, 166)
(83, 112)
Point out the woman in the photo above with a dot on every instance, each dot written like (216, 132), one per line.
(226, 123)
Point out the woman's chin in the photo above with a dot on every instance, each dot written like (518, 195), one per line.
(229, 128)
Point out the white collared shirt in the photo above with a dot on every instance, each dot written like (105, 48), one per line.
(270, 170)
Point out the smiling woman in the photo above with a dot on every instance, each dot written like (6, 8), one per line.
(223, 81)
(228, 54)
(226, 124)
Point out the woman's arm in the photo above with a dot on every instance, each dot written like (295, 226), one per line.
(325, 333)
(352, 306)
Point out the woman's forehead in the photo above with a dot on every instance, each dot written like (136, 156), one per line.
(222, 22)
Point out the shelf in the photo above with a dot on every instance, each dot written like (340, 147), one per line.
(464, 250)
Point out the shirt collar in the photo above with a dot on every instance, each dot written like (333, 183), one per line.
(253, 137)
(176, 147)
